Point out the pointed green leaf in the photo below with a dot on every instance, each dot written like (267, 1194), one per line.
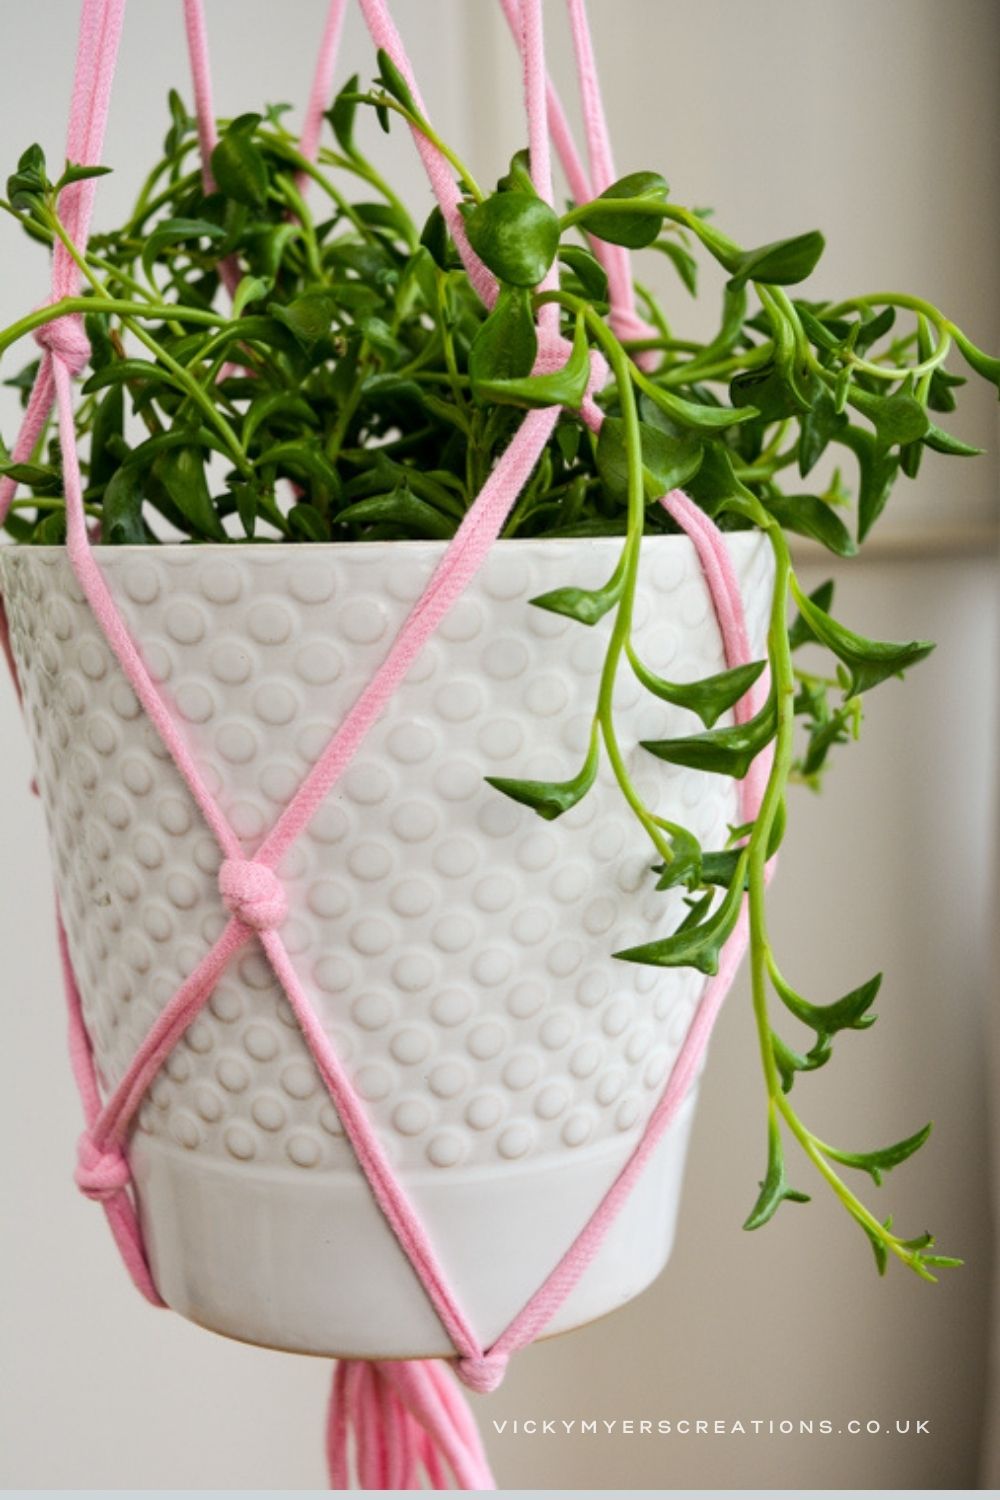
(810, 516)
(181, 470)
(587, 269)
(774, 1190)
(695, 414)
(550, 799)
(782, 263)
(565, 387)
(852, 1012)
(587, 606)
(799, 633)
(402, 509)
(710, 697)
(876, 1163)
(726, 752)
(667, 461)
(869, 662)
(341, 115)
(506, 345)
(238, 165)
(699, 946)
(121, 509)
(394, 83)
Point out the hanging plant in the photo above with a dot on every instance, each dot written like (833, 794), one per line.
(357, 390)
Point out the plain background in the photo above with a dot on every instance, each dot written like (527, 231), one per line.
(877, 121)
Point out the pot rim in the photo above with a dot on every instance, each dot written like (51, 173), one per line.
(356, 548)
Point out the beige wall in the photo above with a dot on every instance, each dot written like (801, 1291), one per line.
(773, 111)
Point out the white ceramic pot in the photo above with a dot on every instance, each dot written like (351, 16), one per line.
(455, 946)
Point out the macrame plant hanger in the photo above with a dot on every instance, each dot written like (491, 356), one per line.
(405, 1421)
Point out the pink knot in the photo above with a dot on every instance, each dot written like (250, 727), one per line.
(553, 352)
(253, 893)
(102, 1171)
(65, 340)
(483, 1374)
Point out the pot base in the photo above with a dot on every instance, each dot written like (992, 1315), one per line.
(309, 1266)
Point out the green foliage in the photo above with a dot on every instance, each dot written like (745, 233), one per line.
(355, 389)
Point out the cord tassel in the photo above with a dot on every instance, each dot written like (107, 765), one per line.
(402, 1422)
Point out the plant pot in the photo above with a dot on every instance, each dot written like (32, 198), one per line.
(456, 947)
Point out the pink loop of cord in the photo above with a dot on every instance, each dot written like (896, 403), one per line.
(99, 30)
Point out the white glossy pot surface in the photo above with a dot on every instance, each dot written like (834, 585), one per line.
(456, 947)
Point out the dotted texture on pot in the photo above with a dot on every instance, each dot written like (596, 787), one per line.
(456, 948)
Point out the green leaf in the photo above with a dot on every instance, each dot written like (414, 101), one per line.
(943, 442)
(341, 116)
(667, 461)
(108, 424)
(550, 799)
(850, 1013)
(725, 752)
(303, 460)
(308, 524)
(587, 606)
(125, 371)
(878, 470)
(878, 1245)
(434, 238)
(984, 364)
(566, 387)
(810, 516)
(622, 226)
(697, 946)
(30, 181)
(395, 84)
(238, 165)
(181, 470)
(715, 483)
(696, 414)
(515, 234)
(789, 1062)
(176, 232)
(250, 289)
(683, 261)
(309, 316)
(400, 509)
(710, 697)
(869, 662)
(816, 428)
(517, 178)
(774, 1190)
(76, 172)
(506, 345)
(588, 271)
(875, 1163)
(782, 263)
(768, 389)
(897, 419)
(121, 509)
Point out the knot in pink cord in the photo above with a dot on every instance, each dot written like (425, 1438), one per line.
(483, 1374)
(253, 893)
(102, 1171)
(65, 340)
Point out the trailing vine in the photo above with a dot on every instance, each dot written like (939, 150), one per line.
(356, 389)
